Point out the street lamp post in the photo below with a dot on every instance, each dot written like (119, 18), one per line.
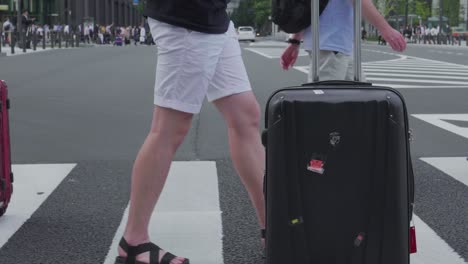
(420, 29)
(441, 5)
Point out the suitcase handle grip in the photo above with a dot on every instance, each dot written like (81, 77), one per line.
(338, 83)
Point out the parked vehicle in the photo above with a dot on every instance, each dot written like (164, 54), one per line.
(246, 33)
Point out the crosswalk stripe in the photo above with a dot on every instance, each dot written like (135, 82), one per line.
(270, 43)
(425, 68)
(440, 120)
(33, 184)
(405, 82)
(272, 53)
(431, 248)
(400, 86)
(403, 86)
(446, 72)
(415, 63)
(437, 70)
(414, 81)
(428, 76)
(187, 219)
(456, 167)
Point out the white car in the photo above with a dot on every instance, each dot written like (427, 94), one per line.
(246, 33)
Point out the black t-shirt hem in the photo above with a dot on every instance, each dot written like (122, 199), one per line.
(186, 24)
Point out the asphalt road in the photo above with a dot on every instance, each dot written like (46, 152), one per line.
(92, 107)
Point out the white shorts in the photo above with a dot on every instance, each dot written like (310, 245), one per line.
(192, 65)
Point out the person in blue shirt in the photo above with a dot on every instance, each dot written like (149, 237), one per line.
(336, 36)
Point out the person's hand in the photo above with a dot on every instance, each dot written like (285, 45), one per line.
(395, 39)
(289, 57)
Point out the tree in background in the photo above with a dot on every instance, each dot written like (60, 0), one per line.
(244, 15)
(252, 13)
(452, 11)
(262, 12)
(422, 8)
(141, 6)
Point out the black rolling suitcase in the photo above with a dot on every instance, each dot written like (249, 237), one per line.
(339, 184)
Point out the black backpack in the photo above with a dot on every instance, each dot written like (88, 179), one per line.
(293, 16)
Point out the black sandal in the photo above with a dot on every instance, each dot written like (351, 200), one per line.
(134, 251)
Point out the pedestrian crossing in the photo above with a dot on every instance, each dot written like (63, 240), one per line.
(188, 213)
(189, 218)
(30, 191)
(403, 72)
(409, 72)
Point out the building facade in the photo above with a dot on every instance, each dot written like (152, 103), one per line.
(76, 12)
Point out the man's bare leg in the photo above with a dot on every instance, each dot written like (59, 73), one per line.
(168, 130)
(242, 115)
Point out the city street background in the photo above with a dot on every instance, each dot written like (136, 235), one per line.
(79, 116)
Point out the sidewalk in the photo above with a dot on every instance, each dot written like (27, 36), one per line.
(6, 51)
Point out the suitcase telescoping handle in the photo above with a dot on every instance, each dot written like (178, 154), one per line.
(314, 65)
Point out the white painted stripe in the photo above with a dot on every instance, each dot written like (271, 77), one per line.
(438, 120)
(416, 81)
(260, 52)
(416, 62)
(370, 69)
(421, 62)
(431, 248)
(436, 61)
(305, 69)
(33, 184)
(273, 53)
(388, 61)
(402, 86)
(387, 53)
(393, 67)
(456, 167)
(425, 76)
(417, 66)
(187, 219)
(270, 43)
(445, 73)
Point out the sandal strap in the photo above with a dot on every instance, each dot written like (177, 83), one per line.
(167, 258)
(123, 244)
(154, 257)
(133, 251)
(147, 247)
(126, 248)
(153, 249)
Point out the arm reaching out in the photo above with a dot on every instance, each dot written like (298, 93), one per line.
(290, 54)
(392, 36)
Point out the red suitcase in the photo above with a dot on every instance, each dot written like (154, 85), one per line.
(6, 176)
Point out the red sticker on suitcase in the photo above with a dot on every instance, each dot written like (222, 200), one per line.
(316, 165)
